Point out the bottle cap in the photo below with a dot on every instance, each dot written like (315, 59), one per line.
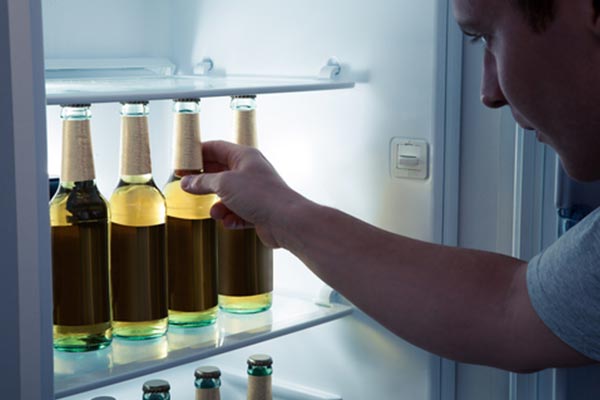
(156, 386)
(260, 360)
(207, 372)
(144, 102)
(75, 105)
(186, 99)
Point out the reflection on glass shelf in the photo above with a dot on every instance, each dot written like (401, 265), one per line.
(116, 89)
(78, 372)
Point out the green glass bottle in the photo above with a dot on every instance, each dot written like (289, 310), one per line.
(260, 371)
(138, 242)
(208, 383)
(245, 263)
(79, 219)
(191, 232)
(156, 389)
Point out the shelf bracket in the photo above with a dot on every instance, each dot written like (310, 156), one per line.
(204, 67)
(331, 70)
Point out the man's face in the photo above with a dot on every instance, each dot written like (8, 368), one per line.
(550, 80)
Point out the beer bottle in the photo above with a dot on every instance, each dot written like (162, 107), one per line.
(138, 243)
(191, 232)
(156, 389)
(208, 383)
(79, 218)
(245, 263)
(259, 377)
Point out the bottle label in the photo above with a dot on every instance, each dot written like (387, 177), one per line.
(244, 126)
(77, 158)
(138, 273)
(187, 146)
(259, 388)
(135, 146)
(208, 394)
(245, 263)
(80, 276)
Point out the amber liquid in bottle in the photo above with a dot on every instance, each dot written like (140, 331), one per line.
(191, 233)
(245, 264)
(138, 243)
(79, 218)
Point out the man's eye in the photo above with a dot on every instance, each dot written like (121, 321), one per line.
(478, 38)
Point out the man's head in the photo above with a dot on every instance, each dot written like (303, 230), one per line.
(538, 13)
(541, 58)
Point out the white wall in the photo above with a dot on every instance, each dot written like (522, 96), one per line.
(343, 136)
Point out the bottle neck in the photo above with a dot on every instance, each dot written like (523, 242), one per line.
(244, 121)
(208, 383)
(187, 148)
(135, 146)
(77, 158)
(260, 370)
(259, 387)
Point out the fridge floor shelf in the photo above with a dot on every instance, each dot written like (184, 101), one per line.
(131, 88)
(79, 372)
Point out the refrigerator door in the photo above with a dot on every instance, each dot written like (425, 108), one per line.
(574, 200)
(25, 288)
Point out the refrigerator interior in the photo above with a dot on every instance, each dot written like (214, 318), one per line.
(332, 146)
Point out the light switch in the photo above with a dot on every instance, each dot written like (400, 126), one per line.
(409, 158)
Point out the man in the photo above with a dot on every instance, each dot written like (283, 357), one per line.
(541, 59)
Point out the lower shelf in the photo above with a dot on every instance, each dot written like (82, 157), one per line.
(237, 386)
(79, 372)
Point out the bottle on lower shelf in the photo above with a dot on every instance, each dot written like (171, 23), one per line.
(156, 389)
(260, 371)
(208, 383)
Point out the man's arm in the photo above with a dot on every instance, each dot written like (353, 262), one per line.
(466, 305)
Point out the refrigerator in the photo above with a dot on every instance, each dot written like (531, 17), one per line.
(371, 108)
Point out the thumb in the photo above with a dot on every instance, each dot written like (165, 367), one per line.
(200, 184)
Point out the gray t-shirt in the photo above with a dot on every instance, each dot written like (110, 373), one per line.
(564, 286)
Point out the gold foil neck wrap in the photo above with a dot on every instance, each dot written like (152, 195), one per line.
(187, 145)
(244, 127)
(77, 158)
(135, 146)
(259, 388)
(208, 394)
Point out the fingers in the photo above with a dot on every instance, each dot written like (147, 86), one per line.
(201, 184)
(219, 210)
(230, 220)
(214, 167)
(220, 153)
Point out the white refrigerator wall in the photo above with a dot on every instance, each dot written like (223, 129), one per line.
(333, 147)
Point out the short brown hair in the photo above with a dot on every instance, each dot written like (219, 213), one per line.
(539, 13)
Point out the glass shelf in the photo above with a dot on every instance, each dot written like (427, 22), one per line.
(79, 372)
(65, 90)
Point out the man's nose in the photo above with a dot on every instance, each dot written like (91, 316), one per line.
(491, 93)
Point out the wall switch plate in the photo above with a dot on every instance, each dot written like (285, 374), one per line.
(409, 158)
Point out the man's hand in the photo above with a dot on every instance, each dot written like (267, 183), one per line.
(250, 190)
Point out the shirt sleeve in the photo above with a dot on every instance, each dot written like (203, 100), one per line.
(564, 286)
